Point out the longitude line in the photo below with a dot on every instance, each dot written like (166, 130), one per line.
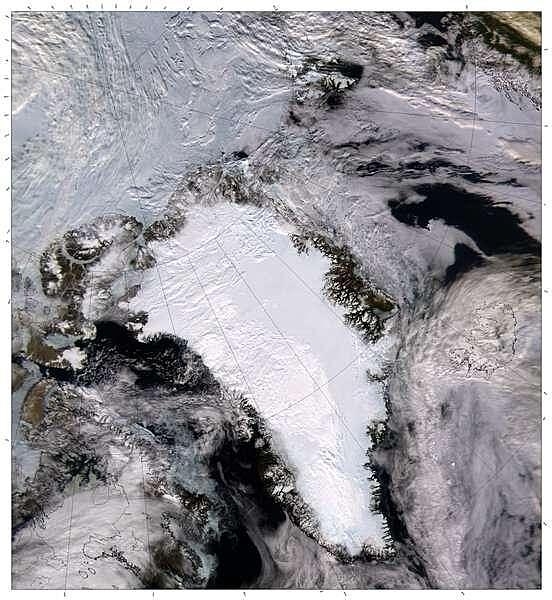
(297, 357)
(224, 334)
(70, 525)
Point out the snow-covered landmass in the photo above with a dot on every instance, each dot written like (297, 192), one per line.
(255, 310)
(276, 300)
(74, 356)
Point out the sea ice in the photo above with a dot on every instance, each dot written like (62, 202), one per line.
(255, 311)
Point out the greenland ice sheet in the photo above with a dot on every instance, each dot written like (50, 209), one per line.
(234, 286)
(115, 112)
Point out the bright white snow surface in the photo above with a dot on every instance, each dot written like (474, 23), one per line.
(254, 309)
(74, 356)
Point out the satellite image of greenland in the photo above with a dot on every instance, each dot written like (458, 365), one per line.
(276, 300)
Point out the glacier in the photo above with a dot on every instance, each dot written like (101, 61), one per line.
(175, 339)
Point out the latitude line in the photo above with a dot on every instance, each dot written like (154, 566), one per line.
(131, 169)
(258, 236)
(416, 230)
(472, 140)
(320, 386)
(105, 86)
(474, 110)
(63, 194)
(316, 184)
(209, 114)
(493, 478)
(319, 297)
(297, 357)
(161, 100)
(51, 224)
(252, 396)
(146, 514)
(38, 256)
(468, 154)
(499, 470)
